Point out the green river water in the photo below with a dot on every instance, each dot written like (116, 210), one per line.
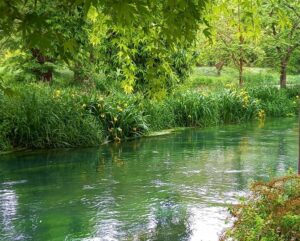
(172, 187)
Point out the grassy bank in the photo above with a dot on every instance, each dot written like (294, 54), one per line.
(40, 116)
(207, 77)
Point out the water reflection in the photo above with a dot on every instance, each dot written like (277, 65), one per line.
(8, 211)
(166, 188)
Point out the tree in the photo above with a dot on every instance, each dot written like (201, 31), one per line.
(57, 29)
(235, 34)
(178, 20)
(281, 22)
(45, 31)
(142, 62)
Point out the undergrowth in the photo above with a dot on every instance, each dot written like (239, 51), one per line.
(271, 212)
(40, 116)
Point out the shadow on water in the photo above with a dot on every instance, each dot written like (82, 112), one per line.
(173, 187)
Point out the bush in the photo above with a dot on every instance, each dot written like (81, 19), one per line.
(271, 212)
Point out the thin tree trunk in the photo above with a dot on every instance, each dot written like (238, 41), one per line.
(283, 74)
(219, 67)
(241, 81)
(241, 50)
(299, 137)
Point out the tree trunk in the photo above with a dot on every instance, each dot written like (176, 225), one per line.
(219, 67)
(42, 59)
(241, 50)
(47, 77)
(241, 80)
(299, 138)
(283, 74)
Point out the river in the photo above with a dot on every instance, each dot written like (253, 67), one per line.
(172, 187)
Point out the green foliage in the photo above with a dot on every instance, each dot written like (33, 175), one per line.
(23, 67)
(41, 116)
(160, 114)
(237, 105)
(38, 117)
(282, 30)
(235, 37)
(120, 116)
(194, 109)
(144, 63)
(294, 64)
(178, 20)
(270, 213)
(275, 102)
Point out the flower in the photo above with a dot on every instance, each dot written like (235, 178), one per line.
(57, 93)
(84, 106)
(115, 119)
(102, 115)
(261, 115)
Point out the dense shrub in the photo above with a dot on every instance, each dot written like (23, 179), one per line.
(271, 212)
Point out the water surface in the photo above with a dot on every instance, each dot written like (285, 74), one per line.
(173, 187)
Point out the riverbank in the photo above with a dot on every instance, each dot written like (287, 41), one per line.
(35, 116)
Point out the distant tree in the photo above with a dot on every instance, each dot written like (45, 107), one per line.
(281, 22)
(235, 37)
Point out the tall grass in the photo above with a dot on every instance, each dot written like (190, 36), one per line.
(276, 102)
(120, 116)
(41, 116)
